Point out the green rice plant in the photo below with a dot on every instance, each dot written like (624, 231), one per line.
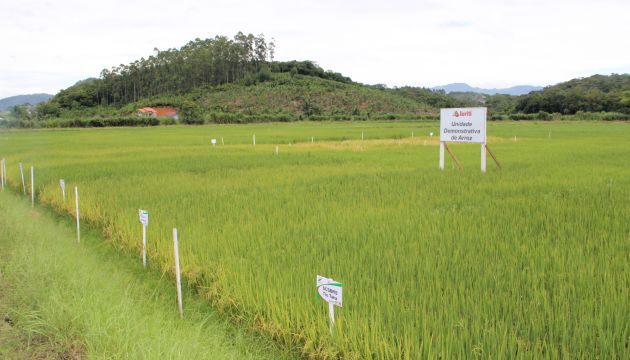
(529, 261)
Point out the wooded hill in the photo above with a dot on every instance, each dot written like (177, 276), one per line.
(592, 94)
(235, 80)
(598, 97)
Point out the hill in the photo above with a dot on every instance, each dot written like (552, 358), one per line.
(597, 93)
(462, 87)
(236, 80)
(32, 99)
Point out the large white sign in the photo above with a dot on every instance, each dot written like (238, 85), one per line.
(463, 125)
(330, 290)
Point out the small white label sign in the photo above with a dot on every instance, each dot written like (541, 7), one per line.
(144, 217)
(463, 125)
(330, 290)
(213, 141)
(62, 183)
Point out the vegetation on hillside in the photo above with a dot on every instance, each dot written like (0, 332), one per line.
(227, 80)
(598, 97)
(592, 94)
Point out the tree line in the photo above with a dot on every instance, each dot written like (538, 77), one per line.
(597, 93)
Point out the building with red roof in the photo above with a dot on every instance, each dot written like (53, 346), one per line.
(158, 111)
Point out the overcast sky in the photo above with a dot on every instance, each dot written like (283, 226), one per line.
(46, 46)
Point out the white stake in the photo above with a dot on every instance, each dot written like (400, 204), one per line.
(441, 155)
(32, 187)
(312, 139)
(2, 173)
(483, 158)
(22, 176)
(276, 150)
(331, 315)
(361, 135)
(514, 137)
(76, 202)
(62, 185)
(222, 143)
(254, 139)
(144, 245)
(178, 274)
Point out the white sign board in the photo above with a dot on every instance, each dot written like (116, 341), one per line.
(213, 141)
(330, 290)
(144, 217)
(62, 183)
(463, 125)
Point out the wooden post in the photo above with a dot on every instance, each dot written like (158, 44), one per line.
(483, 158)
(32, 187)
(493, 157)
(144, 245)
(178, 276)
(452, 155)
(22, 177)
(76, 202)
(2, 173)
(331, 315)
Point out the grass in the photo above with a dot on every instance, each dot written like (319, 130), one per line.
(528, 262)
(71, 301)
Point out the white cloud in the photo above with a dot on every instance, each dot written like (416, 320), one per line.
(50, 45)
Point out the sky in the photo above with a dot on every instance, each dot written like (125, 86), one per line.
(46, 46)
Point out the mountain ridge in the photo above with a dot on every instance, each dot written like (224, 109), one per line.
(32, 99)
(463, 87)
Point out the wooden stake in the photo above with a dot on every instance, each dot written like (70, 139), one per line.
(493, 157)
(22, 176)
(331, 316)
(178, 275)
(2, 173)
(452, 155)
(144, 245)
(76, 201)
(32, 187)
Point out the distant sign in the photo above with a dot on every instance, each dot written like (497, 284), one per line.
(213, 141)
(463, 125)
(144, 217)
(62, 183)
(330, 290)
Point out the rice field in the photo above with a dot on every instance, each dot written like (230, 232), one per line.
(531, 261)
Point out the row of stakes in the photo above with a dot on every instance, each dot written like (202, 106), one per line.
(143, 219)
(329, 289)
(324, 288)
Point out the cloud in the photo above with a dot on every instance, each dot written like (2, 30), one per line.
(456, 24)
(51, 45)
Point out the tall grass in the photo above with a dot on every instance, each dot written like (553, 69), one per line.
(90, 301)
(528, 262)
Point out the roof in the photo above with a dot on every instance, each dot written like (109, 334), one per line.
(159, 110)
